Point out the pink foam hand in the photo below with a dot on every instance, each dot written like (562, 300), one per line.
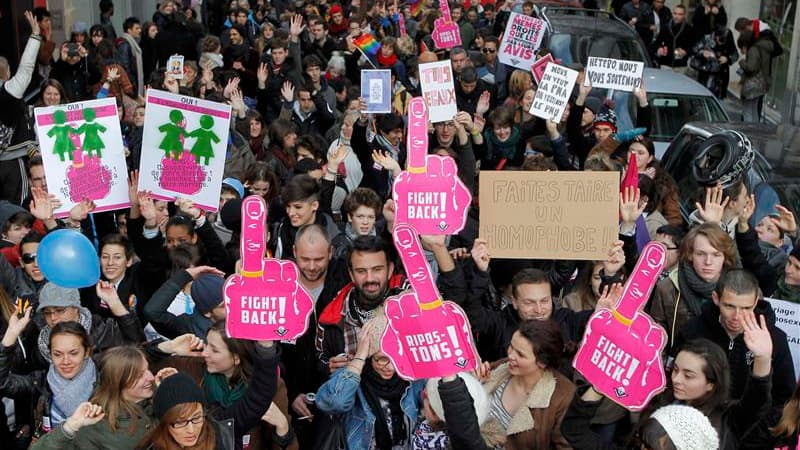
(446, 34)
(429, 195)
(620, 354)
(264, 301)
(425, 337)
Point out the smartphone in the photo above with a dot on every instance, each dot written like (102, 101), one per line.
(72, 49)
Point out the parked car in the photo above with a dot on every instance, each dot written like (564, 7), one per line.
(774, 176)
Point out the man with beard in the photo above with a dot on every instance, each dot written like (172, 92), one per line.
(371, 271)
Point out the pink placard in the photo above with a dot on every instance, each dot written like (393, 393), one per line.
(401, 23)
(538, 67)
(620, 354)
(446, 33)
(264, 301)
(426, 337)
(429, 195)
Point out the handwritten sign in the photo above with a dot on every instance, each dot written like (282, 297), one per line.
(429, 195)
(553, 93)
(83, 154)
(183, 148)
(787, 318)
(522, 38)
(446, 33)
(614, 73)
(539, 66)
(175, 66)
(376, 88)
(620, 354)
(264, 301)
(425, 337)
(438, 90)
(549, 215)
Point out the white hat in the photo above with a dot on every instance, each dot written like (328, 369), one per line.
(479, 397)
(688, 428)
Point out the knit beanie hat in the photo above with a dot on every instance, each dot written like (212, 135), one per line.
(795, 252)
(688, 428)
(55, 296)
(606, 116)
(207, 292)
(175, 390)
(480, 400)
(593, 104)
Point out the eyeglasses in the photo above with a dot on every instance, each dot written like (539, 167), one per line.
(488, 50)
(54, 311)
(28, 258)
(185, 423)
(382, 361)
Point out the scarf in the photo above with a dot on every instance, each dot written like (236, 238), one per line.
(786, 292)
(136, 51)
(339, 28)
(376, 389)
(387, 61)
(84, 318)
(503, 150)
(357, 315)
(427, 437)
(694, 290)
(69, 394)
(218, 390)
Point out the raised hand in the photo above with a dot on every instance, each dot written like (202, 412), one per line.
(296, 27)
(620, 354)
(17, 322)
(483, 103)
(640, 93)
(609, 297)
(41, 204)
(287, 91)
(147, 206)
(262, 75)
(264, 301)
(386, 161)
(429, 195)
(615, 260)
(389, 214)
(747, 213)
(183, 345)
(199, 270)
(756, 334)
(188, 207)
(425, 336)
(337, 156)
(85, 415)
(713, 209)
(480, 254)
(32, 22)
(163, 374)
(785, 220)
(81, 210)
(629, 205)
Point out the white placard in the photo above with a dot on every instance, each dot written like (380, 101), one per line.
(438, 90)
(522, 38)
(615, 74)
(787, 318)
(554, 92)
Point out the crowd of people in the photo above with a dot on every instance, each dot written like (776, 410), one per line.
(143, 360)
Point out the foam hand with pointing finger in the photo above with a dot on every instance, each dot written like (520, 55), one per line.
(425, 337)
(446, 33)
(620, 354)
(429, 195)
(264, 301)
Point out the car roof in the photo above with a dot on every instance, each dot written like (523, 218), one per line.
(659, 80)
(565, 20)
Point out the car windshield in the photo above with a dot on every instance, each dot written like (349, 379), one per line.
(570, 48)
(671, 111)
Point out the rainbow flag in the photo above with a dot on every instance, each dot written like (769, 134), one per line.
(415, 6)
(367, 44)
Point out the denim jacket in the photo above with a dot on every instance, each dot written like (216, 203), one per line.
(342, 394)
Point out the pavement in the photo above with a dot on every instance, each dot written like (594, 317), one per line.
(733, 106)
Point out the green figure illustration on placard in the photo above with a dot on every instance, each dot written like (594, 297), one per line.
(203, 147)
(63, 147)
(91, 141)
(172, 135)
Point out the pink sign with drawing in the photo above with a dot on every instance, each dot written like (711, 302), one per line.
(264, 301)
(446, 33)
(426, 336)
(429, 195)
(620, 354)
(538, 67)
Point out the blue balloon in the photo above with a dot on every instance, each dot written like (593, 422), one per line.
(68, 259)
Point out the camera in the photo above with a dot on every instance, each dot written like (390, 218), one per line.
(72, 50)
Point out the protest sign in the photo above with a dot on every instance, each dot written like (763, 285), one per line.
(83, 154)
(175, 66)
(429, 195)
(425, 336)
(376, 88)
(549, 215)
(620, 354)
(618, 74)
(183, 148)
(539, 66)
(522, 38)
(446, 33)
(553, 93)
(438, 90)
(264, 301)
(787, 318)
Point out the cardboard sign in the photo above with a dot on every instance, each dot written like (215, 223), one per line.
(438, 90)
(429, 195)
(175, 66)
(615, 74)
(425, 336)
(549, 215)
(264, 301)
(538, 67)
(787, 318)
(376, 88)
(620, 354)
(553, 93)
(83, 154)
(446, 33)
(183, 148)
(522, 38)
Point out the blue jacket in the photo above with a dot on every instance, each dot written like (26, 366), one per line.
(342, 394)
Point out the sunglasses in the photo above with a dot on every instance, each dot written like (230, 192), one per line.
(488, 50)
(28, 258)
